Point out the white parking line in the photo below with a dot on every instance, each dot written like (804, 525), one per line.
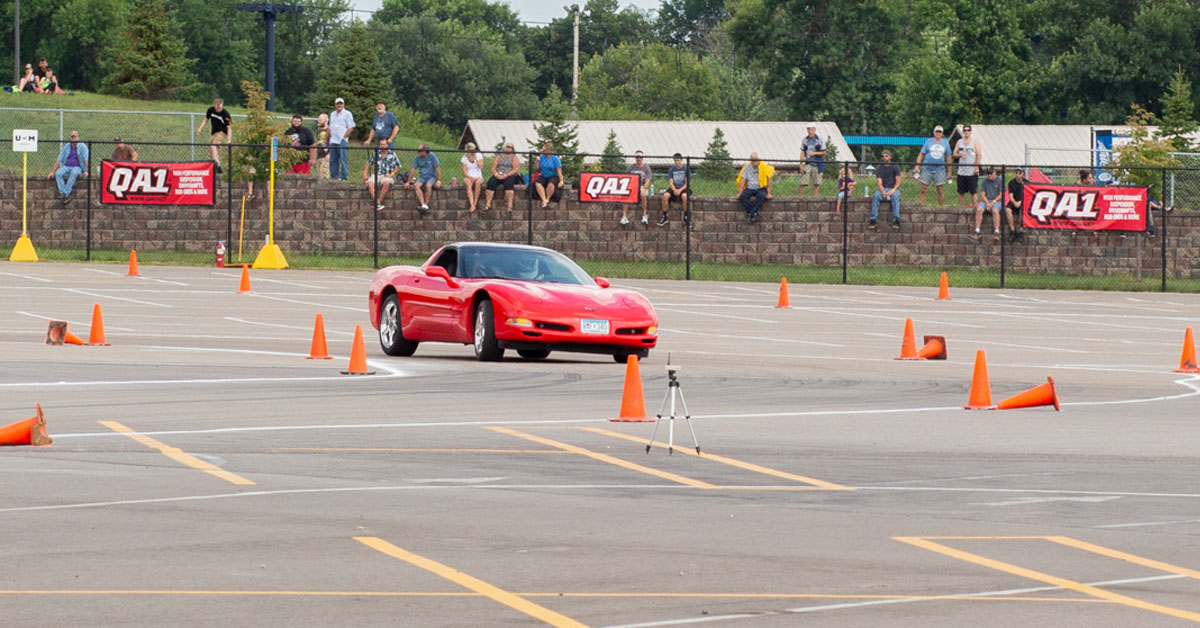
(28, 277)
(77, 324)
(281, 326)
(729, 316)
(338, 307)
(105, 296)
(139, 277)
(712, 335)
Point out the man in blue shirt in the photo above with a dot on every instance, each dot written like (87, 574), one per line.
(812, 160)
(426, 175)
(384, 126)
(549, 174)
(679, 176)
(931, 164)
(72, 162)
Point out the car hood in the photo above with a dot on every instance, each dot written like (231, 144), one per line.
(574, 297)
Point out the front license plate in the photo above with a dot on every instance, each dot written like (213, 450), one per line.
(593, 326)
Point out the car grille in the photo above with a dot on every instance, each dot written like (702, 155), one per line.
(552, 326)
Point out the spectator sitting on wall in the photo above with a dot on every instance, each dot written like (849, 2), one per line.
(384, 126)
(387, 166)
(549, 174)
(887, 184)
(72, 161)
(506, 169)
(123, 151)
(812, 160)
(754, 186)
(29, 82)
(931, 165)
(642, 170)
(969, 152)
(846, 185)
(472, 167)
(1016, 196)
(341, 124)
(302, 138)
(222, 131)
(993, 188)
(322, 148)
(678, 179)
(426, 177)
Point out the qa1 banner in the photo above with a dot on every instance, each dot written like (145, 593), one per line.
(151, 183)
(605, 187)
(1084, 207)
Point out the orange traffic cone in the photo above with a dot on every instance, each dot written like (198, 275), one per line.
(934, 349)
(783, 294)
(908, 346)
(96, 337)
(633, 404)
(133, 269)
(31, 431)
(358, 355)
(244, 288)
(318, 350)
(1043, 395)
(1187, 362)
(944, 288)
(981, 390)
(57, 334)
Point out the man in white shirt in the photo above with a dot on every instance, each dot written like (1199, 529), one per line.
(341, 125)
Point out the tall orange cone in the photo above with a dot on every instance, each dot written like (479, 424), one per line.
(318, 350)
(1043, 395)
(244, 288)
(981, 390)
(358, 355)
(96, 336)
(31, 431)
(133, 268)
(783, 294)
(633, 403)
(944, 288)
(1187, 362)
(908, 345)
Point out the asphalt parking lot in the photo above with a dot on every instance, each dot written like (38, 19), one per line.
(204, 472)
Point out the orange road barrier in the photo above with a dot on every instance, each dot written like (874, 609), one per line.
(981, 390)
(133, 267)
(783, 294)
(358, 355)
(31, 431)
(57, 334)
(1187, 362)
(244, 288)
(1043, 395)
(319, 351)
(633, 402)
(934, 348)
(944, 288)
(96, 336)
(908, 346)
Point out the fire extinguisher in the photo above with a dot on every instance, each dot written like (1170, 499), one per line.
(221, 254)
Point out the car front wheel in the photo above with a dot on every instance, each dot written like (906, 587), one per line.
(391, 336)
(486, 347)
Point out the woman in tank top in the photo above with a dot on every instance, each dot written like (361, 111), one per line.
(472, 167)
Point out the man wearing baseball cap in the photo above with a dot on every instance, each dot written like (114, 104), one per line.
(341, 125)
(812, 160)
(931, 164)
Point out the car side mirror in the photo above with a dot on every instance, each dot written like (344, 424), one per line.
(438, 271)
(602, 282)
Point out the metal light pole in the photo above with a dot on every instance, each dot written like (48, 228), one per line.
(16, 41)
(574, 10)
(269, 12)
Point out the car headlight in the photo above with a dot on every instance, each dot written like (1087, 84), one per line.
(519, 322)
(653, 329)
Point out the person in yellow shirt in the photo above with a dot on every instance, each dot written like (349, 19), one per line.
(754, 186)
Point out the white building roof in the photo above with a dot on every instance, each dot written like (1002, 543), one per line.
(773, 141)
(1053, 145)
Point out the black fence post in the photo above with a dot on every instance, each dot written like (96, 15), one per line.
(845, 224)
(687, 219)
(229, 194)
(1163, 226)
(1003, 222)
(529, 189)
(375, 204)
(88, 181)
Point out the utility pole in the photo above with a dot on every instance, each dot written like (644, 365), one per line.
(269, 12)
(16, 41)
(574, 10)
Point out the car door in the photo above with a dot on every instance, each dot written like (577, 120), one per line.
(434, 305)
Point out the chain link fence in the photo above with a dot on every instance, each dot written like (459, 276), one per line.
(803, 231)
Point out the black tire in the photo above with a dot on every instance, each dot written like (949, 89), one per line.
(486, 347)
(391, 335)
(533, 354)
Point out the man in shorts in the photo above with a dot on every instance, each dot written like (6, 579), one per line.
(993, 190)
(387, 166)
(678, 178)
(426, 176)
(506, 169)
(550, 175)
(812, 160)
(931, 165)
(969, 155)
(222, 131)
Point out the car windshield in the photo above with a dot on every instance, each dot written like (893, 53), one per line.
(521, 264)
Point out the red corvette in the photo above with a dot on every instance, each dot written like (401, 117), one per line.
(507, 296)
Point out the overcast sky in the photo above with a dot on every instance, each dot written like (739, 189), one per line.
(529, 10)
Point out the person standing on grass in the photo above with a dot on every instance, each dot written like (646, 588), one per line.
(72, 161)
(384, 126)
(302, 138)
(679, 178)
(426, 176)
(506, 169)
(931, 165)
(812, 160)
(341, 125)
(642, 170)
(322, 154)
(549, 174)
(222, 129)
(969, 154)
(123, 151)
(472, 167)
(887, 184)
(387, 166)
(993, 187)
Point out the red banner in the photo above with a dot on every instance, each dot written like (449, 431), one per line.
(157, 183)
(607, 187)
(1084, 207)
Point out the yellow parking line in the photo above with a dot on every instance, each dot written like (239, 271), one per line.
(178, 455)
(1112, 553)
(1048, 579)
(729, 461)
(470, 582)
(604, 458)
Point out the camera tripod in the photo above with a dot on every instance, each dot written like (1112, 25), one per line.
(673, 390)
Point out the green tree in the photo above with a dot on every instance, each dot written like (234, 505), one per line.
(717, 165)
(300, 38)
(740, 89)
(83, 31)
(227, 45)
(1140, 161)
(652, 78)
(612, 160)
(149, 62)
(252, 163)
(354, 73)
(689, 22)
(1177, 122)
(556, 132)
